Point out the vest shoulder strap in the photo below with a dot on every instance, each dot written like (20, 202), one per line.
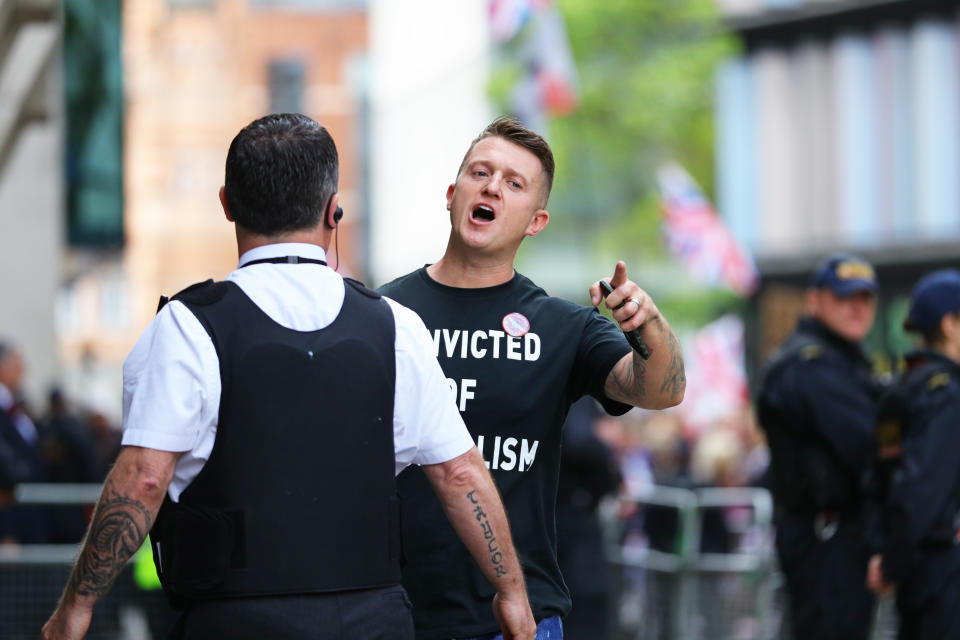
(202, 293)
(359, 287)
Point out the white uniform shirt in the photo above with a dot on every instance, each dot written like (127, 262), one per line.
(171, 379)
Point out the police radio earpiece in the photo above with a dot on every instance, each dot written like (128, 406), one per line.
(337, 215)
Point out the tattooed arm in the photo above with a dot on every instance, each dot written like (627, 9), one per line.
(656, 383)
(131, 496)
(473, 505)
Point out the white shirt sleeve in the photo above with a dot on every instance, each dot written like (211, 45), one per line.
(171, 391)
(427, 427)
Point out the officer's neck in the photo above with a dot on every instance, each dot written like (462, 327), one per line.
(318, 235)
(949, 349)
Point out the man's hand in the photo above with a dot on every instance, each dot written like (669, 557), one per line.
(67, 623)
(515, 618)
(656, 383)
(875, 580)
(639, 306)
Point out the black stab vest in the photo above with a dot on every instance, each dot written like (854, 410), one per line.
(298, 495)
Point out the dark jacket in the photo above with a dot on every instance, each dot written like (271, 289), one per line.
(921, 513)
(817, 403)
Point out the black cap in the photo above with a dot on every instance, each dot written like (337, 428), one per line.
(934, 296)
(845, 275)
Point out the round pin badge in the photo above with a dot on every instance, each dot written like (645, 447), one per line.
(515, 324)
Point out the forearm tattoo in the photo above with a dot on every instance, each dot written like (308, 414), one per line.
(496, 556)
(675, 379)
(630, 382)
(119, 527)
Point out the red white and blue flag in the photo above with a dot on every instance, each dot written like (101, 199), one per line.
(697, 236)
(716, 376)
(548, 86)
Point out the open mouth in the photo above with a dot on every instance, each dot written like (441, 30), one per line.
(483, 213)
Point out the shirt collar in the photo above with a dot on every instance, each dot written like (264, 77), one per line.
(279, 250)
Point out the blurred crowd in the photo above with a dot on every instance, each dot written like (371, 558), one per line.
(52, 443)
(605, 456)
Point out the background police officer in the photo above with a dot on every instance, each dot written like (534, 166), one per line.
(268, 414)
(919, 428)
(816, 403)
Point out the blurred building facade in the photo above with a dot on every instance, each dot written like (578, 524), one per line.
(114, 126)
(838, 128)
(31, 182)
(195, 72)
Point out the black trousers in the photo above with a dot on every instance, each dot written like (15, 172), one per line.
(371, 614)
(936, 613)
(826, 580)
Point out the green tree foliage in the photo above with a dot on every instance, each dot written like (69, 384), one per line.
(646, 81)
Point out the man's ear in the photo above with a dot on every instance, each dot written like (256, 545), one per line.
(449, 196)
(950, 326)
(223, 203)
(331, 210)
(538, 222)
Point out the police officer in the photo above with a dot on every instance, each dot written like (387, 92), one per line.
(919, 440)
(816, 403)
(268, 414)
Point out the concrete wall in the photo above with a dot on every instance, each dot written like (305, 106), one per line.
(429, 70)
(31, 230)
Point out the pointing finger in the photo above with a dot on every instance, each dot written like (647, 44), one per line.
(619, 274)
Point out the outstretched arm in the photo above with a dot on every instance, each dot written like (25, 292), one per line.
(473, 505)
(656, 383)
(131, 497)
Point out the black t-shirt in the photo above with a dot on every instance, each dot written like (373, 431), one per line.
(513, 390)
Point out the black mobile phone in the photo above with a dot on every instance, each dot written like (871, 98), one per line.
(633, 337)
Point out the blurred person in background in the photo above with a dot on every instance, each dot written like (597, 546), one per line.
(588, 473)
(517, 359)
(717, 461)
(265, 419)
(20, 454)
(756, 463)
(14, 466)
(817, 404)
(918, 439)
(70, 456)
(659, 456)
(69, 445)
(106, 437)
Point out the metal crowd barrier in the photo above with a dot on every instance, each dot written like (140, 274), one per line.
(700, 565)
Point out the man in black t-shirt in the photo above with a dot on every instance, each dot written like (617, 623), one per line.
(515, 359)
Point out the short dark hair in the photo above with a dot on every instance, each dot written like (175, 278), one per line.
(281, 172)
(510, 129)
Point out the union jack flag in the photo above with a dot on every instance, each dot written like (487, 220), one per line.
(716, 376)
(696, 235)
